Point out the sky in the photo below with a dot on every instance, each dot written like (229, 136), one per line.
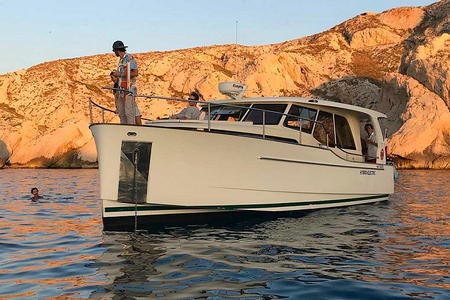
(38, 31)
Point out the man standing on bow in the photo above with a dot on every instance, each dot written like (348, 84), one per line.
(126, 71)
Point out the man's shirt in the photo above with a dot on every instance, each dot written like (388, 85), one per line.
(189, 113)
(372, 149)
(123, 62)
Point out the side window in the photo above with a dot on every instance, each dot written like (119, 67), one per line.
(234, 113)
(324, 126)
(256, 116)
(307, 116)
(343, 133)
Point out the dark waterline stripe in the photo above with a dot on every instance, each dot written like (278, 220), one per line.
(234, 207)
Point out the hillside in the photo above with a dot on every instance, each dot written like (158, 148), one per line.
(396, 62)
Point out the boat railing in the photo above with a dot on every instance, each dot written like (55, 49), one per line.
(349, 155)
(209, 105)
(92, 104)
(103, 109)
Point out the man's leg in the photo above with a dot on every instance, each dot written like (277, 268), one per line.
(129, 109)
(137, 113)
(121, 108)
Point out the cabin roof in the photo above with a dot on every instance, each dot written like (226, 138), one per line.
(298, 100)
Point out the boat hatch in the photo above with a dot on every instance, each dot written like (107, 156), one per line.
(134, 169)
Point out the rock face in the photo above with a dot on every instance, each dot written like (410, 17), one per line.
(4, 154)
(396, 62)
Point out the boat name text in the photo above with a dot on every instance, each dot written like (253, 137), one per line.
(366, 172)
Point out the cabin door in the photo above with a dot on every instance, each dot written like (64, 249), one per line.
(134, 169)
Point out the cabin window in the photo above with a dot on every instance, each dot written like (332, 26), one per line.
(307, 116)
(344, 135)
(324, 127)
(224, 113)
(271, 118)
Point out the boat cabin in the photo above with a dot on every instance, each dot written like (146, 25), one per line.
(310, 122)
(325, 124)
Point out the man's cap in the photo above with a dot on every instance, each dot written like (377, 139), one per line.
(118, 45)
(195, 95)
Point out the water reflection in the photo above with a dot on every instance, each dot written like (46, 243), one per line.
(56, 248)
(386, 250)
(416, 245)
(46, 247)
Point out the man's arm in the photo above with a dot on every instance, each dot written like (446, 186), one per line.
(372, 140)
(181, 115)
(133, 68)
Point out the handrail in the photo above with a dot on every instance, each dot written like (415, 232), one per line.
(104, 109)
(346, 152)
(208, 104)
(101, 107)
(92, 103)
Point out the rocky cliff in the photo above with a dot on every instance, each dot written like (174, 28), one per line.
(396, 62)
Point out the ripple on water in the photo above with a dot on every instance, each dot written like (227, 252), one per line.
(56, 247)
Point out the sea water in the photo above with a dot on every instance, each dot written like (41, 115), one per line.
(56, 247)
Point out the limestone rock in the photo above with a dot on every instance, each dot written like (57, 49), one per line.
(4, 154)
(396, 62)
(403, 18)
(351, 90)
(430, 65)
(427, 57)
(423, 141)
(370, 37)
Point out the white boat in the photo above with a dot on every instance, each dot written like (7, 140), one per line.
(249, 155)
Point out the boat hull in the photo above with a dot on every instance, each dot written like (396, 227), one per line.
(192, 172)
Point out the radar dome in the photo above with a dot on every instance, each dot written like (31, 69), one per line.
(233, 90)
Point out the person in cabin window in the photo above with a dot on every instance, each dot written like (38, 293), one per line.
(371, 142)
(191, 112)
(126, 72)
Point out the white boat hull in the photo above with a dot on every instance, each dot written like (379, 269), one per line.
(198, 172)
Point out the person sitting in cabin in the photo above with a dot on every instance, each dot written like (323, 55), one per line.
(35, 195)
(191, 112)
(371, 142)
(126, 72)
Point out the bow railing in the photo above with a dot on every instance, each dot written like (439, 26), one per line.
(207, 107)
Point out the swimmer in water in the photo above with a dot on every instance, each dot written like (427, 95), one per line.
(35, 193)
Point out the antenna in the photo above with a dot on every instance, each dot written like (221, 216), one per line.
(236, 30)
(235, 52)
